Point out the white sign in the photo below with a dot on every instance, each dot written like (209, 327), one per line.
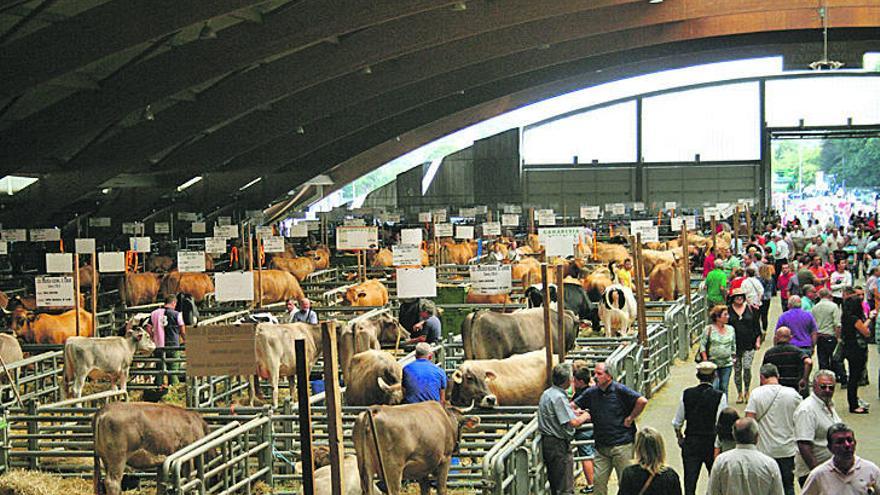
(224, 220)
(227, 231)
(4, 248)
(273, 244)
(59, 263)
(510, 220)
(670, 205)
(728, 211)
(467, 212)
(313, 226)
(569, 232)
(215, 245)
(590, 212)
(54, 291)
(491, 279)
(710, 212)
(133, 228)
(162, 228)
(99, 222)
(391, 218)
(13, 235)
(407, 255)
(464, 231)
(186, 216)
(354, 222)
(618, 209)
(191, 261)
(637, 225)
(751, 201)
(85, 245)
(639, 206)
(113, 262)
(560, 246)
(300, 229)
(234, 286)
(264, 232)
(139, 244)
(411, 237)
(546, 217)
(416, 282)
(443, 229)
(513, 209)
(649, 234)
(492, 228)
(481, 209)
(439, 216)
(41, 235)
(198, 227)
(425, 217)
(689, 220)
(357, 238)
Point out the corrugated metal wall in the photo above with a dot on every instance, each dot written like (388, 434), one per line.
(566, 189)
(692, 185)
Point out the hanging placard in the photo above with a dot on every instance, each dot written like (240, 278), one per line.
(464, 231)
(678, 222)
(416, 282)
(198, 227)
(85, 245)
(227, 231)
(234, 286)
(59, 263)
(443, 229)
(4, 248)
(590, 212)
(313, 226)
(215, 245)
(43, 235)
(691, 221)
(510, 220)
(638, 225)
(54, 291)
(139, 244)
(406, 255)
(191, 261)
(224, 220)
(467, 212)
(354, 222)
(639, 206)
(709, 212)
(264, 232)
(133, 228)
(650, 234)
(113, 262)
(273, 244)
(513, 209)
(162, 228)
(99, 222)
(186, 216)
(300, 229)
(492, 228)
(411, 237)
(438, 216)
(670, 205)
(562, 247)
(491, 279)
(221, 350)
(425, 217)
(546, 217)
(350, 238)
(618, 209)
(481, 209)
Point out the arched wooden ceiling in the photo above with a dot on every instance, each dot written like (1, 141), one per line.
(286, 90)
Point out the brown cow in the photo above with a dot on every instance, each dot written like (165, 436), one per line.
(384, 258)
(376, 378)
(416, 442)
(321, 257)
(369, 293)
(198, 285)
(457, 254)
(490, 335)
(299, 267)
(611, 252)
(50, 329)
(515, 381)
(277, 285)
(662, 282)
(651, 258)
(367, 333)
(276, 356)
(160, 263)
(140, 435)
(139, 288)
(473, 298)
(85, 278)
(351, 479)
(528, 270)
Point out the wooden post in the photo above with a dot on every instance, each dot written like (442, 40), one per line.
(659, 217)
(595, 246)
(260, 272)
(560, 312)
(76, 305)
(749, 231)
(531, 220)
(736, 230)
(334, 404)
(250, 245)
(636, 243)
(687, 262)
(305, 418)
(94, 294)
(713, 225)
(548, 331)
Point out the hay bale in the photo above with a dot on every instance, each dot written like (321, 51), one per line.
(22, 482)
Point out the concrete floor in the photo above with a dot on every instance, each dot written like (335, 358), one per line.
(661, 408)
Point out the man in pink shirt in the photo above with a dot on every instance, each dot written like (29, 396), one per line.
(709, 262)
(167, 330)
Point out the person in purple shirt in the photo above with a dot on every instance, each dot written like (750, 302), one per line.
(804, 330)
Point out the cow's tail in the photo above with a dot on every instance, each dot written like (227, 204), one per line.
(96, 474)
(368, 453)
(467, 326)
(612, 265)
(67, 376)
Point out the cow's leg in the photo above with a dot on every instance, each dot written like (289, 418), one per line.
(115, 472)
(424, 487)
(395, 478)
(122, 382)
(273, 376)
(442, 474)
(291, 381)
(79, 382)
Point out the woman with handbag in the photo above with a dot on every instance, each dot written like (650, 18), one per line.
(649, 475)
(718, 344)
(854, 333)
(747, 330)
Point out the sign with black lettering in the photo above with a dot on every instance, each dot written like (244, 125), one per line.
(273, 244)
(162, 228)
(215, 245)
(191, 261)
(406, 255)
(113, 262)
(352, 238)
(490, 279)
(443, 230)
(54, 291)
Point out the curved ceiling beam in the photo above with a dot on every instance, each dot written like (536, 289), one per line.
(302, 25)
(106, 29)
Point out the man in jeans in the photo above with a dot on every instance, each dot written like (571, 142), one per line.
(827, 315)
(167, 330)
(557, 422)
(614, 408)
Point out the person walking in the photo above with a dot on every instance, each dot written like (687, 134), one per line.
(845, 473)
(746, 327)
(718, 344)
(697, 442)
(840, 280)
(557, 422)
(828, 317)
(167, 329)
(716, 284)
(772, 406)
(812, 419)
(765, 275)
(783, 284)
(614, 408)
(854, 333)
(804, 331)
(649, 475)
(724, 440)
(793, 364)
(745, 470)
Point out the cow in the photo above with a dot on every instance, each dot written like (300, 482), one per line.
(320, 257)
(162, 264)
(600, 279)
(665, 282)
(139, 288)
(473, 298)
(515, 381)
(376, 378)
(618, 305)
(383, 258)
(276, 356)
(140, 435)
(528, 270)
(457, 253)
(368, 333)
(369, 293)
(607, 252)
(299, 267)
(277, 285)
(489, 335)
(85, 278)
(50, 329)
(415, 442)
(575, 300)
(651, 258)
(198, 285)
(351, 479)
(10, 350)
(110, 356)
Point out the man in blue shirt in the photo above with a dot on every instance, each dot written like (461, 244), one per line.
(428, 329)
(422, 379)
(557, 422)
(614, 408)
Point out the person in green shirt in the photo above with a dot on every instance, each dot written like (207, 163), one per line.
(716, 284)
(808, 298)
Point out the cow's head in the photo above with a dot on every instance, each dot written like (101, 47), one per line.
(390, 328)
(393, 391)
(471, 386)
(21, 321)
(140, 338)
(462, 420)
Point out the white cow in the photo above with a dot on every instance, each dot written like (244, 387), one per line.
(276, 356)
(351, 478)
(112, 356)
(618, 305)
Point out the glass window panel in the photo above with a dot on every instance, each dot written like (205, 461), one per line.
(718, 123)
(823, 101)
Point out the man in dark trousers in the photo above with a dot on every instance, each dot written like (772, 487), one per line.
(697, 442)
(557, 422)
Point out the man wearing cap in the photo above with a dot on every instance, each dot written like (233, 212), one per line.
(697, 442)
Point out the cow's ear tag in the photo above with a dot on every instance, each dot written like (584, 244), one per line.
(471, 422)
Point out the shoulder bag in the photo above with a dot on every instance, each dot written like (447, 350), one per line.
(647, 484)
(698, 357)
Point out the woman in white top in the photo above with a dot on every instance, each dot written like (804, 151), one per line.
(753, 288)
(840, 279)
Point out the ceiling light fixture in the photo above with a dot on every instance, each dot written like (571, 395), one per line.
(300, 130)
(189, 183)
(367, 70)
(148, 113)
(106, 190)
(459, 6)
(824, 63)
(207, 32)
(544, 46)
(249, 184)
(655, 1)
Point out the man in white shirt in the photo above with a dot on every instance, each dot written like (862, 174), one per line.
(745, 470)
(782, 252)
(772, 406)
(845, 473)
(812, 419)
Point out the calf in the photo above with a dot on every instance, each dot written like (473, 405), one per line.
(376, 378)
(351, 480)
(618, 305)
(515, 381)
(140, 435)
(276, 356)
(366, 334)
(369, 293)
(111, 356)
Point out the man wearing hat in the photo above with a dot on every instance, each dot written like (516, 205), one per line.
(697, 442)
